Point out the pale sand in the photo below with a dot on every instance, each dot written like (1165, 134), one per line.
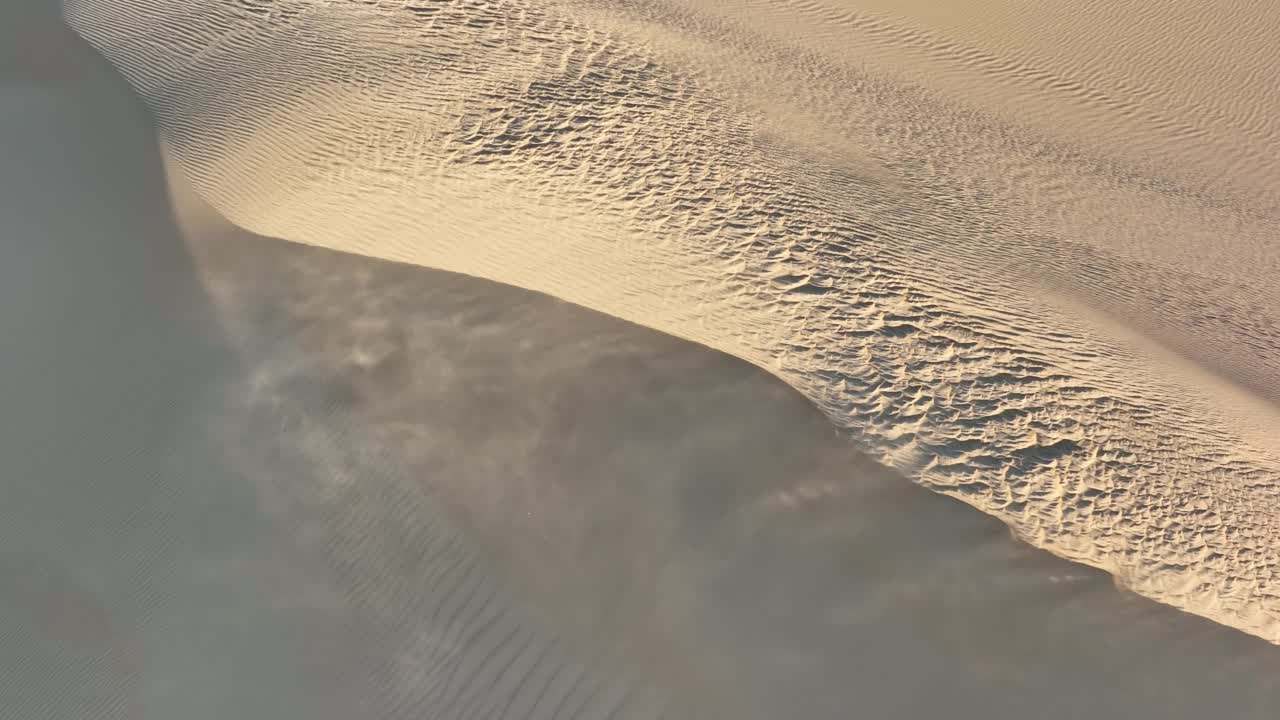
(1025, 255)
(674, 513)
(356, 489)
(381, 491)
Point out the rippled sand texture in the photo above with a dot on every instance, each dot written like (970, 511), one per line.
(533, 508)
(1024, 253)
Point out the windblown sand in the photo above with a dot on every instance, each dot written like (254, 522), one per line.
(1025, 253)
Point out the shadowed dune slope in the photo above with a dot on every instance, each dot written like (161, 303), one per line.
(1038, 276)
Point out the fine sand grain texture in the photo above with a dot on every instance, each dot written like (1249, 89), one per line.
(1025, 254)
(632, 526)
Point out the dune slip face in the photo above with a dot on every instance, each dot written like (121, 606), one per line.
(1040, 283)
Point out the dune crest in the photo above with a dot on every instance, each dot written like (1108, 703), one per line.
(1077, 338)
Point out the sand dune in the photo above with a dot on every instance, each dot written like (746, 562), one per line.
(1028, 260)
(681, 519)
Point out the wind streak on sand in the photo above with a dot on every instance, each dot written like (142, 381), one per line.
(1079, 341)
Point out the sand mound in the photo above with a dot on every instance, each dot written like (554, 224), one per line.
(1026, 259)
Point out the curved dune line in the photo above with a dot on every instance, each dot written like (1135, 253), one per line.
(949, 321)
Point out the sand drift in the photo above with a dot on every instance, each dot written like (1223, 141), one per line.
(1042, 284)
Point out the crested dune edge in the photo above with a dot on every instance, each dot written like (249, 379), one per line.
(1043, 286)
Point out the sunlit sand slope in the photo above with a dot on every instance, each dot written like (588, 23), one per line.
(1033, 268)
